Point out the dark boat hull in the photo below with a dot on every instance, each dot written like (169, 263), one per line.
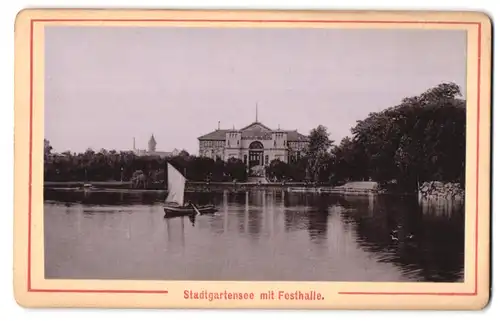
(173, 211)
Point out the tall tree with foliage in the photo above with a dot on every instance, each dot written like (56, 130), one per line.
(47, 149)
(421, 139)
(236, 170)
(278, 170)
(318, 152)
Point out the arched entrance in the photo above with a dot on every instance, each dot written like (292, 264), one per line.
(255, 154)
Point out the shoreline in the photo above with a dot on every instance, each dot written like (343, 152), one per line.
(294, 187)
(369, 189)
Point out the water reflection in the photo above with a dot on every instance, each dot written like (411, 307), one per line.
(257, 235)
(423, 241)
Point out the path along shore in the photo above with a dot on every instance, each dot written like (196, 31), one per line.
(353, 188)
(427, 190)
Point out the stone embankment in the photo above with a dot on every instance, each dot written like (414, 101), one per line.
(441, 190)
(351, 188)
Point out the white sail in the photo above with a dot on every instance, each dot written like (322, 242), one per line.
(176, 185)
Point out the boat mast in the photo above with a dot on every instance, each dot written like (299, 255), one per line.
(165, 173)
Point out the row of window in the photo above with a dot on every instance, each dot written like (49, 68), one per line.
(284, 143)
(221, 143)
(297, 145)
(212, 143)
(253, 157)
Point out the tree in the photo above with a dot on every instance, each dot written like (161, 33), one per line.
(349, 161)
(183, 153)
(201, 168)
(423, 138)
(218, 172)
(278, 170)
(297, 170)
(47, 148)
(317, 151)
(236, 169)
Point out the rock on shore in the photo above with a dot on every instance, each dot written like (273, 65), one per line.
(441, 190)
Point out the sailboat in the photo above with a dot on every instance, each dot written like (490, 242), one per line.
(174, 203)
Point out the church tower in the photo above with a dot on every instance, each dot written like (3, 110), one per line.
(152, 144)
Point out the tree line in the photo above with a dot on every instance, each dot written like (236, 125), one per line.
(421, 139)
(123, 166)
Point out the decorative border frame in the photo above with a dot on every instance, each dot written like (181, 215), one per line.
(479, 27)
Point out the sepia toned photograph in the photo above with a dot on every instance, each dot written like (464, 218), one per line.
(254, 154)
(252, 159)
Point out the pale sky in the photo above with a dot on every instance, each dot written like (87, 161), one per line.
(106, 85)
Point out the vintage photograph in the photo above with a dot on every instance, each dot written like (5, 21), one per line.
(254, 154)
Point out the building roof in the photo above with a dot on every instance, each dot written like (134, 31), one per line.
(218, 134)
(254, 130)
(295, 136)
(256, 126)
(162, 154)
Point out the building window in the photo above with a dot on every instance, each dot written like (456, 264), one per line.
(267, 159)
(256, 145)
(245, 159)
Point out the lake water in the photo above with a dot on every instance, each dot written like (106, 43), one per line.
(258, 235)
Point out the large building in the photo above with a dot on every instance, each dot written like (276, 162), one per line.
(255, 144)
(151, 151)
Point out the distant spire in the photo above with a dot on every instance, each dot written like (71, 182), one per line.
(152, 144)
(133, 146)
(218, 125)
(256, 112)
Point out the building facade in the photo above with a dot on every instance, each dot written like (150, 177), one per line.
(151, 151)
(255, 144)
